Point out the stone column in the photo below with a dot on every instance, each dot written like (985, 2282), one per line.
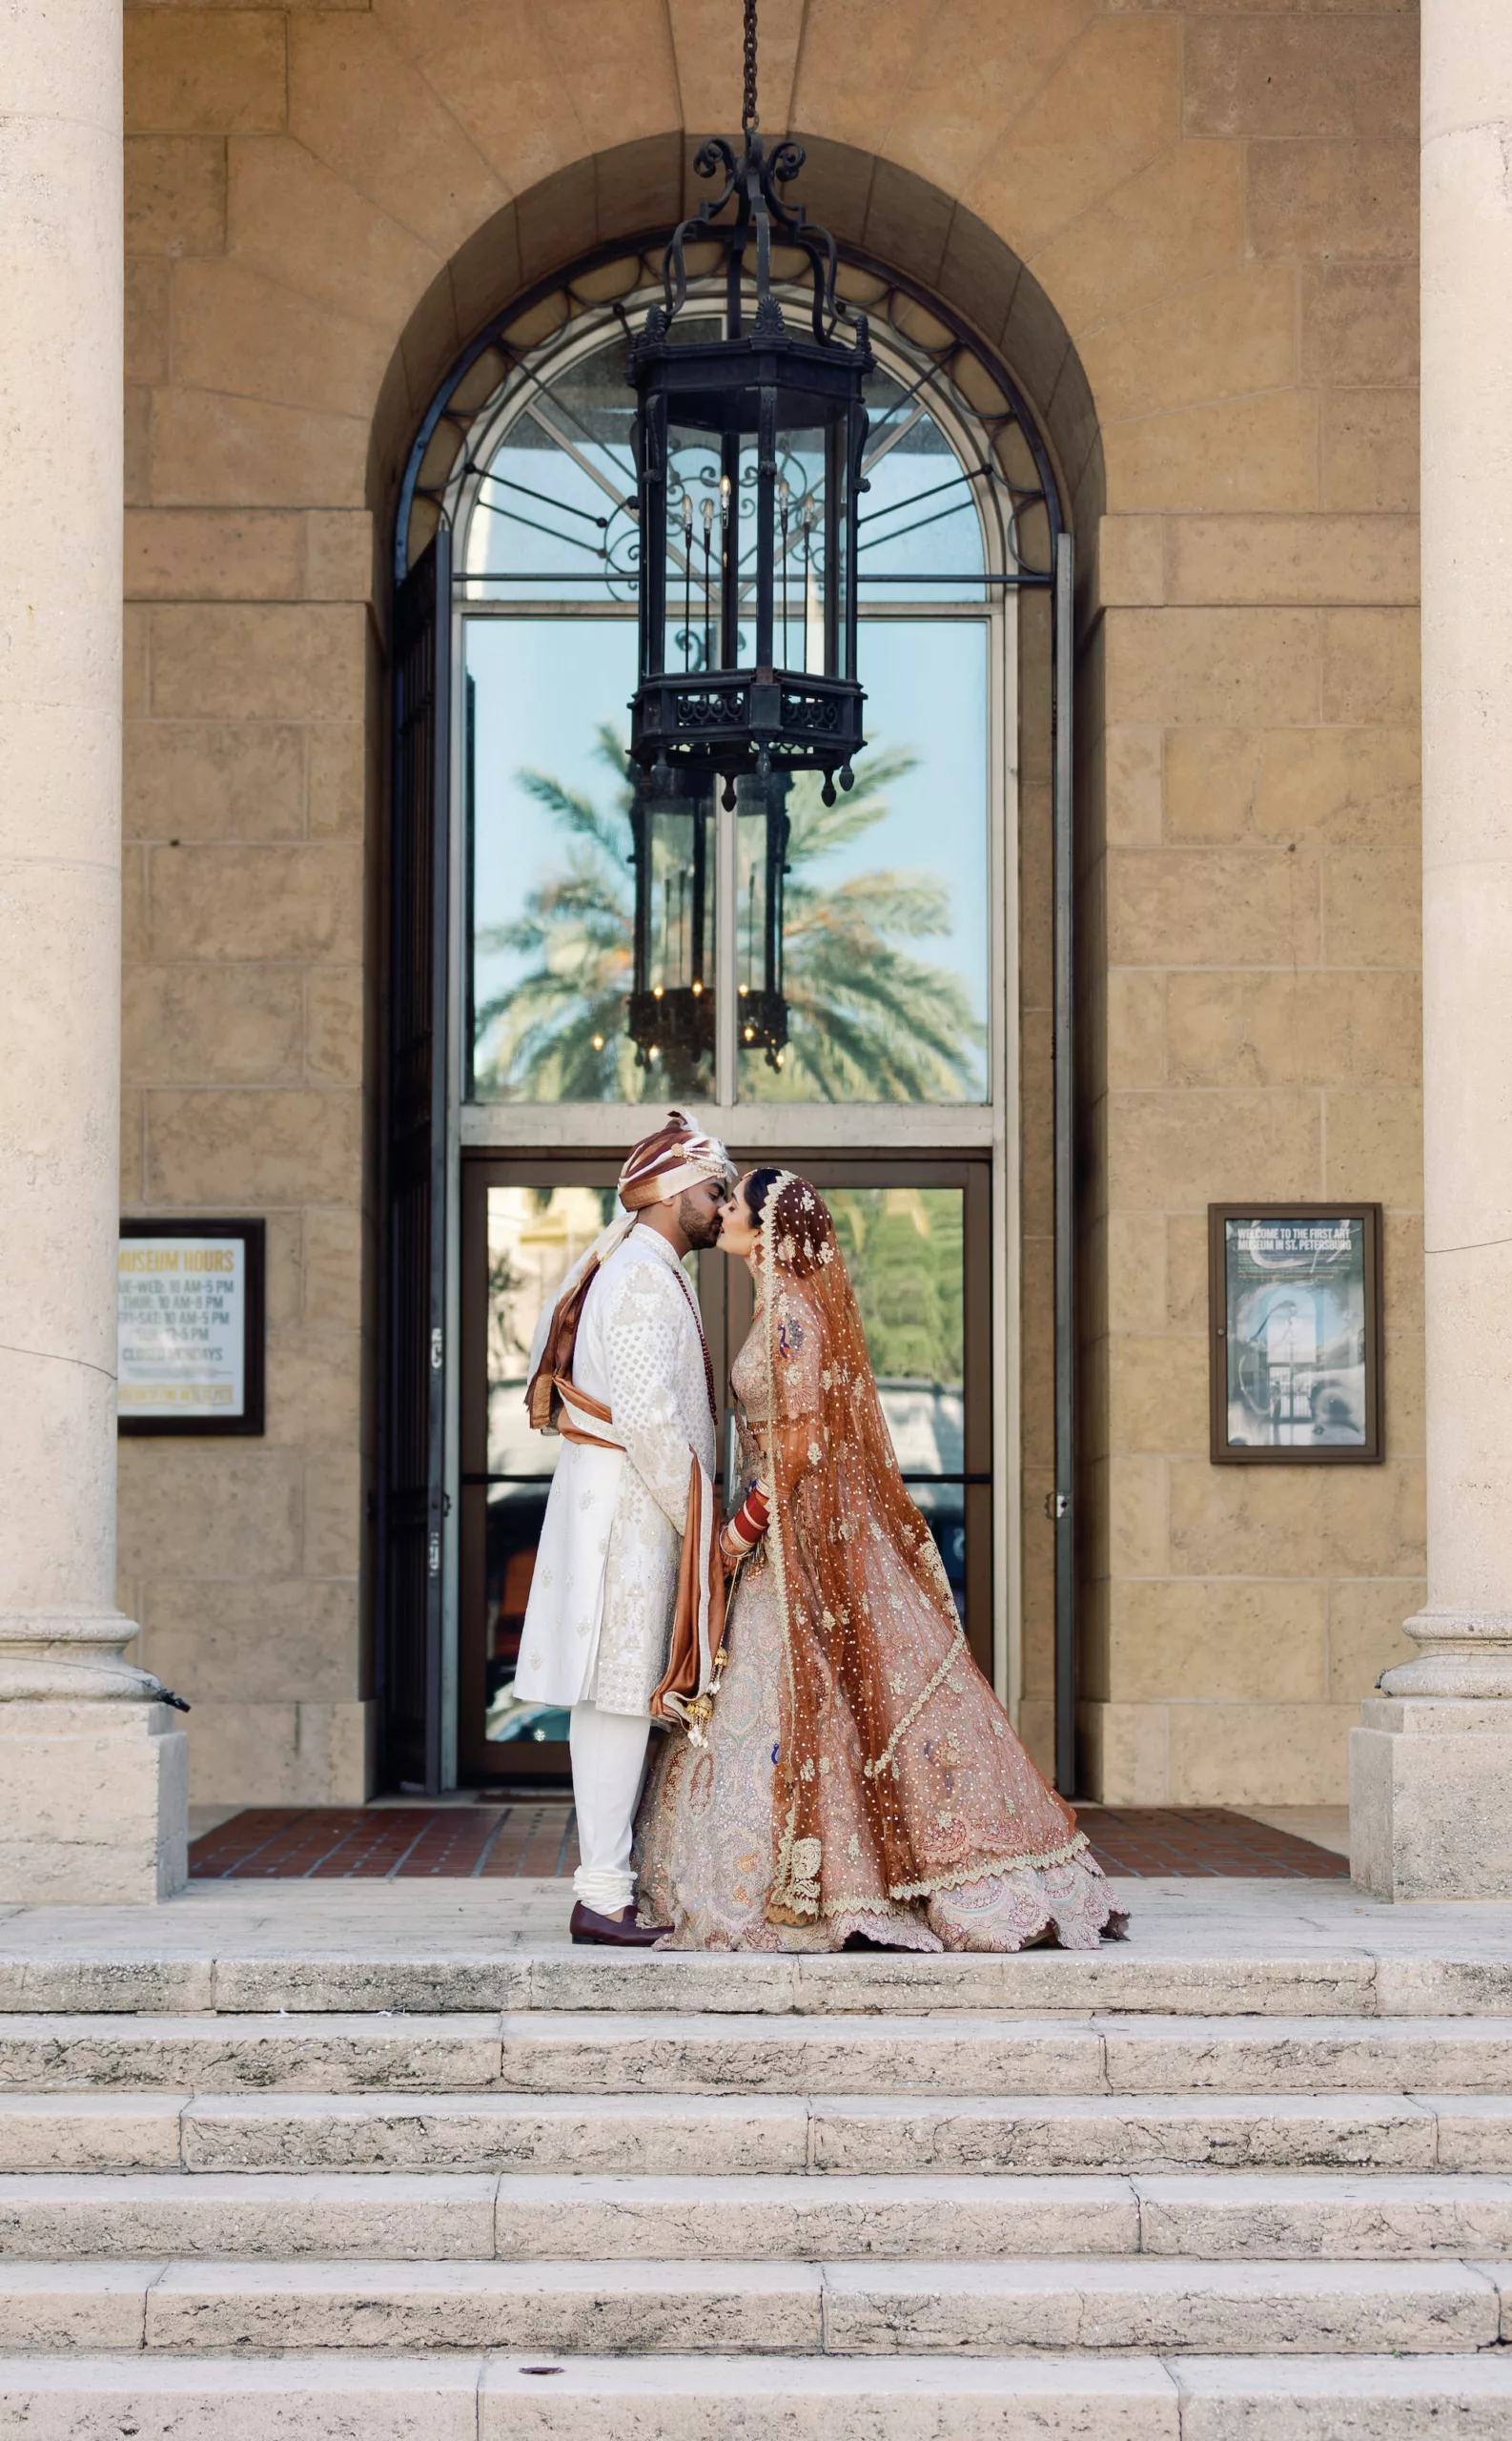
(1431, 1770)
(93, 1774)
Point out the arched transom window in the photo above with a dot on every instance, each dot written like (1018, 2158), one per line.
(894, 895)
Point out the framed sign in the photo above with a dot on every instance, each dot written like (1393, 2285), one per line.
(190, 1326)
(1294, 1323)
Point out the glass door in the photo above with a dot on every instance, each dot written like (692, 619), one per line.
(917, 1235)
(916, 1239)
(523, 1226)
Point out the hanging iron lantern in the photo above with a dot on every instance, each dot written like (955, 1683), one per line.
(672, 1001)
(748, 456)
(762, 833)
(671, 1010)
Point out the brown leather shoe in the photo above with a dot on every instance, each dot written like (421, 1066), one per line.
(613, 1931)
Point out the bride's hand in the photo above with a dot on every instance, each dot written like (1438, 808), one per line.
(748, 1524)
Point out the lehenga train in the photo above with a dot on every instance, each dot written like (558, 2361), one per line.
(857, 1775)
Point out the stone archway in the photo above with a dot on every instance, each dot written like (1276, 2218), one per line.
(952, 288)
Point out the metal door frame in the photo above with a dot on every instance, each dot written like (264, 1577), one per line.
(416, 1155)
(477, 1761)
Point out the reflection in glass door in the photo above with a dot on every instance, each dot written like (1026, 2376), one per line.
(903, 1248)
(519, 1238)
(915, 1241)
(859, 960)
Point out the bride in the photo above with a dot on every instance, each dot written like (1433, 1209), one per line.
(854, 1775)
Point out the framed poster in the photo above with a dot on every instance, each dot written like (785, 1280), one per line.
(1294, 1326)
(190, 1326)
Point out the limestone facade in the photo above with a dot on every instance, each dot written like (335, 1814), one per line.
(1192, 232)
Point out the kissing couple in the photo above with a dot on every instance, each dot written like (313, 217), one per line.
(835, 1768)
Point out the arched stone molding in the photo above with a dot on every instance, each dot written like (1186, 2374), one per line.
(642, 190)
(607, 210)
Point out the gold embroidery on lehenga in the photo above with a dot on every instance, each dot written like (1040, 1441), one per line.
(915, 1710)
(806, 1856)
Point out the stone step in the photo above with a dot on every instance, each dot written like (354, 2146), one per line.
(986, 2055)
(1125, 2304)
(1147, 1975)
(403, 2216)
(1155, 2132)
(234, 2054)
(1281, 2216)
(90, 2131)
(1327, 2214)
(884, 2134)
(703, 2397)
(69, 2215)
(707, 2053)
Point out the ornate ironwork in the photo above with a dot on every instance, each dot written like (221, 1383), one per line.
(951, 375)
(716, 707)
(747, 116)
(749, 473)
(572, 521)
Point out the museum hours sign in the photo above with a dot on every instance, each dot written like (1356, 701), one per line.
(189, 1327)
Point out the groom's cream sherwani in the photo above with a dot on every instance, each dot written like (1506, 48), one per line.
(600, 1614)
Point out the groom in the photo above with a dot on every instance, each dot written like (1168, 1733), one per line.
(620, 1368)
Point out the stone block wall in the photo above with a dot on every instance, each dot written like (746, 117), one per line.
(248, 999)
(1191, 229)
(245, 1066)
(1252, 891)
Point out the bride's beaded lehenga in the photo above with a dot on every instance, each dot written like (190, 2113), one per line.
(857, 1773)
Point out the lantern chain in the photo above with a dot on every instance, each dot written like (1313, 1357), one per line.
(748, 107)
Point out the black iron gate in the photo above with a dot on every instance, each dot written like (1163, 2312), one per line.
(413, 1368)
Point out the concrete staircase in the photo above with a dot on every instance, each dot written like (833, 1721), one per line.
(652, 2198)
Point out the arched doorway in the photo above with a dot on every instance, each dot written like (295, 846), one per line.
(514, 1083)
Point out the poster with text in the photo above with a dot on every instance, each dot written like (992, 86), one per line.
(182, 1328)
(1295, 1326)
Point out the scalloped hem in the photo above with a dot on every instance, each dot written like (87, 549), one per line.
(889, 1928)
(995, 1868)
(1009, 1912)
(1064, 1905)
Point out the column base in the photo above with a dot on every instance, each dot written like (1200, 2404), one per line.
(1428, 1811)
(93, 1804)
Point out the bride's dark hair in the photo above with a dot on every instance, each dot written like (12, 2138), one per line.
(759, 1184)
(800, 1215)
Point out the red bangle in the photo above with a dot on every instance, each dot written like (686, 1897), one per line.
(748, 1524)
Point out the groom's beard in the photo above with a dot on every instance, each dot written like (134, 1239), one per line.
(700, 1226)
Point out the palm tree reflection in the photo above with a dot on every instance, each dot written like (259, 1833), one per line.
(869, 1020)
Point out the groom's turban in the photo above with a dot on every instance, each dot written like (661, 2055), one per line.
(665, 1164)
(661, 1167)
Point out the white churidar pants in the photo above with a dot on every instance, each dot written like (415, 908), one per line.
(609, 1761)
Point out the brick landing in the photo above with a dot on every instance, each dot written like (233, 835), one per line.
(536, 1839)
